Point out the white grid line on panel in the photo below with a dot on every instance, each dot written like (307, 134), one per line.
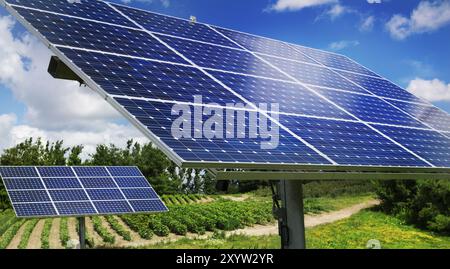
(118, 187)
(84, 189)
(228, 88)
(47, 191)
(380, 97)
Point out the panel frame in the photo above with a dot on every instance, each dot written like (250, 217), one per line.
(199, 164)
(53, 203)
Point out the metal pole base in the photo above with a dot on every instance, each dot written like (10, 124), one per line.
(292, 224)
(82, 232)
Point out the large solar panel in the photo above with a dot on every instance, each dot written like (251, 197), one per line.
(333, 111)
(79, 191)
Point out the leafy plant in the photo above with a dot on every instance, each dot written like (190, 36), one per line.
(45, 235)
(102, 231)
(29, 227)
(116, 226)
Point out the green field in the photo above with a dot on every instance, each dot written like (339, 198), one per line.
(352, 233)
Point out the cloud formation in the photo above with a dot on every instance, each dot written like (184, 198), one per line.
(343, 44)
(429, 16)
(432, 90)
(55, 109)
(294, 5)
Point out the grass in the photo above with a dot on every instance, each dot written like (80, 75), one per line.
(352, 233)
(327, 204)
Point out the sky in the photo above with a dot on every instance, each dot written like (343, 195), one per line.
(405, 41)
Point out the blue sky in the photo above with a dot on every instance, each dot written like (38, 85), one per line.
(405, 41)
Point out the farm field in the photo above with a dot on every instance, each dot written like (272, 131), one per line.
(190, 217)
(352, 233)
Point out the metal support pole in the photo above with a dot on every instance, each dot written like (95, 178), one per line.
(292, 226)
(82, 232)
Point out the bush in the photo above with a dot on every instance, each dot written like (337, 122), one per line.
(139, 224)
(10, 233)
(424, 203)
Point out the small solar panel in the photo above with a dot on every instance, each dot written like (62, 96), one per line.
(78, 191)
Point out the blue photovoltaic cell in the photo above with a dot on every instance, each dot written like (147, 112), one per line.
(105, 194)
(266, 46)
(98, 183)
(146, 205)
(314, 75)
(75, 208)
(89, 9)
(430, 145)
(132, 182)
(29, 196)
(18, 172)
(335, 61)
(87, 171)
(210, 56)
(351, 143)
(62, 171)
(23, 183)
(173, 26)
(61, 30)
(98, 192)
(381, 87)
(291, 97)
(379, 112)
(35, 210)
(140, 194)
(68, 195)
(62, 183)
(140, 78)
(122, 171)
(428, 114)
(159, 121)
(117, 207)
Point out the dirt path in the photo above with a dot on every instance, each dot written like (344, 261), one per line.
(310, 220)
(53, 240)
(72, 228)
(14, 244)
(35, 237)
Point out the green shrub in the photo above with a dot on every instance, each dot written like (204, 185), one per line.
(158, 227)
(139, 224)
(424, 203)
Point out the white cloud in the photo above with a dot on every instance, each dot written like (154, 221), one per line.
(432, 90)
(55, 109)
(427, 17)
(165, 3)
(374, 1)
(367, 24)
(343, 44)
(293, 5)
(337, 11)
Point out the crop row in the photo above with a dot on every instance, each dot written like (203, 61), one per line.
(118, 228)
(199, 218)
(28, 229)
(10, 233)
(6, 220)
(63, 232)
(102, 231)
(183, 199)
(45, 235)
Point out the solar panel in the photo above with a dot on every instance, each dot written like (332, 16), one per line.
(79, 191)
(333, 111)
